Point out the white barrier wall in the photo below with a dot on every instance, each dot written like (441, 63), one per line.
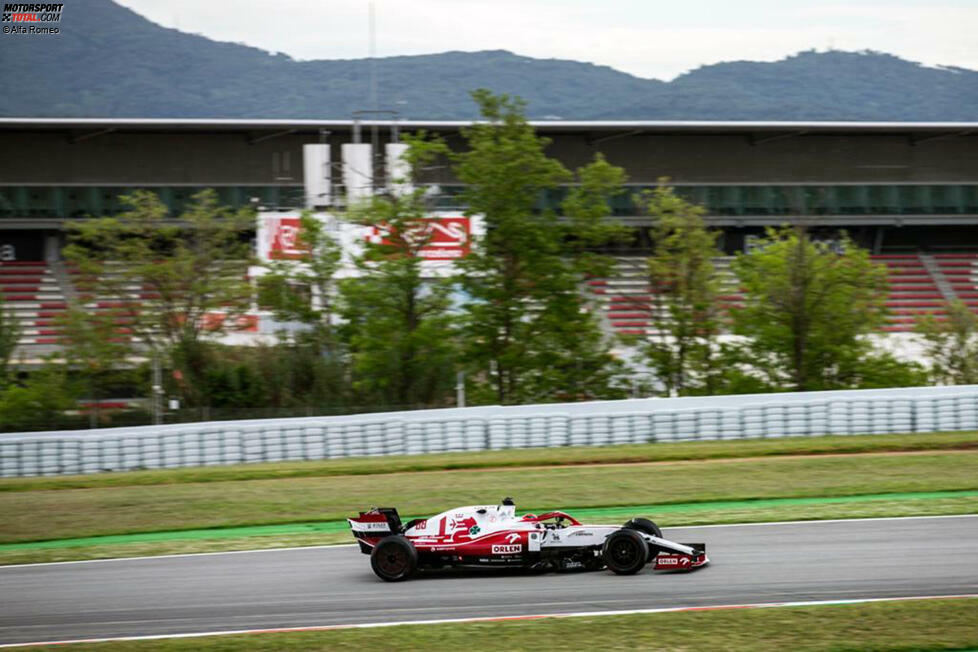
(917, 409)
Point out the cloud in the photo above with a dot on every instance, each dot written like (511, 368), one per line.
(933, 34)
(642, 38)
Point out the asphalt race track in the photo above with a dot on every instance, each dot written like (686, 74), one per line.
(323, 586)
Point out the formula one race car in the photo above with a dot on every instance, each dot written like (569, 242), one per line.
(492, 535)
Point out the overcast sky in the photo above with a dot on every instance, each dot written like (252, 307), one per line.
(643, 37)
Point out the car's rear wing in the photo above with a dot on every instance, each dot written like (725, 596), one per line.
(373, 525)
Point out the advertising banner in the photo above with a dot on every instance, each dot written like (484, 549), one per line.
(279, 237)
(447, 237)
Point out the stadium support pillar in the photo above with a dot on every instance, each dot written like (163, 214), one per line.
(52, 248)
(398, 170)
(358, 171)
(316, 175)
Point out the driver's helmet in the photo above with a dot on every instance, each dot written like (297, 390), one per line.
(508, 508)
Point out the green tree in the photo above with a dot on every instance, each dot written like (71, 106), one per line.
(306, 290)
(808, 309)
(93, 346)
(398, 320)
(176, 282)
(952, 345)
(526, 321)
(39, 402)
(684, 286)
(10, 331)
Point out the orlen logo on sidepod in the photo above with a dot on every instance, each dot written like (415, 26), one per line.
(513, 548)
(506, 550)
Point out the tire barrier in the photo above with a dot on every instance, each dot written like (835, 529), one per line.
(902, 410)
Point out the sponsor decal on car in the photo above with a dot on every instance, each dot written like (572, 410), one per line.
(680, 561)
(373, 526)
(507, 550)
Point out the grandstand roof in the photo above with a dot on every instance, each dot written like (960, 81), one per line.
(661, 126)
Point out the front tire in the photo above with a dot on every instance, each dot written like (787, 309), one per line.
(625, 552)
(644, 525)
(394, 559)
(649, 527)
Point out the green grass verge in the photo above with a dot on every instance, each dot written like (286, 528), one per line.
(694, 516)
(180, 547)
(69, 513)
(589, 515)
(705, 450)
(898, 625)
(681, 481)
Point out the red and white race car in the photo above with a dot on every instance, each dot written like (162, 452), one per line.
(493, 535)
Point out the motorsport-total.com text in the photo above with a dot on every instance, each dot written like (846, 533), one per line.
(20, 17)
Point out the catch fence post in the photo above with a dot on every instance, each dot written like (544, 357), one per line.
(101, 454)
(161, 445)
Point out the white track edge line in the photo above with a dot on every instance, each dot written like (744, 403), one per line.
(177, 554)
(825, 520)
(477, 619)
(354, 545)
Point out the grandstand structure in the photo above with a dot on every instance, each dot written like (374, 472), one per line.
(906, 191)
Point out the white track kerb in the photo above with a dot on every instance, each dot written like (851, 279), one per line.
(448, 621)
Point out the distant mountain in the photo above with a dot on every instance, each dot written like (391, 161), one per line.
(816, 86)
(111, 62)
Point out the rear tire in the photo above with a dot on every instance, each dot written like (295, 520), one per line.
(625, 552)
(394, 559)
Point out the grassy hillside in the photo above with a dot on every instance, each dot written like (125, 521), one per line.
(111, 62)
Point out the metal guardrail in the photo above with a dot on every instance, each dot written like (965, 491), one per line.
(491, 428)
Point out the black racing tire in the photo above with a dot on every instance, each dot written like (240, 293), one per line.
(625, 552)
(394, 559)
(644, 525)
(649, 527)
